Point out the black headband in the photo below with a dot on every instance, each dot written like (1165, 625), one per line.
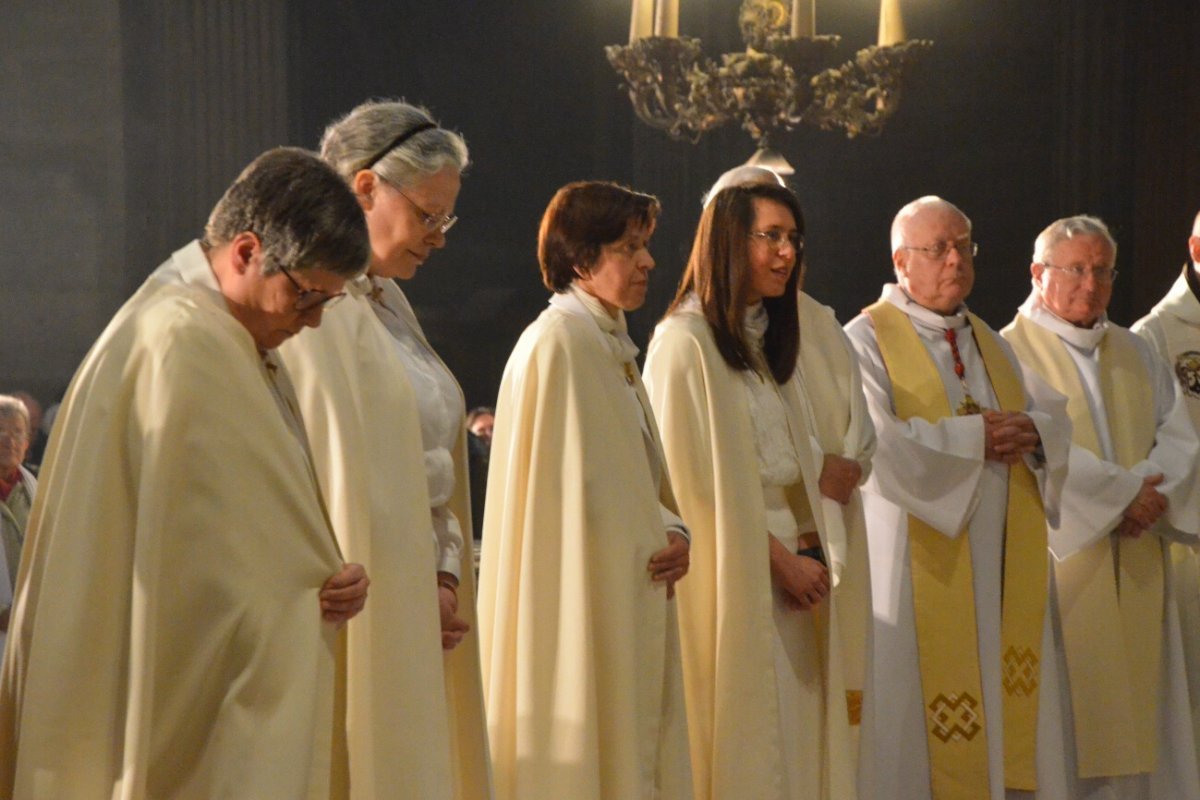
(399, 140)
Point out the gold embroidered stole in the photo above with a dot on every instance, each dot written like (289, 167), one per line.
(1110, 593)
(943, 589)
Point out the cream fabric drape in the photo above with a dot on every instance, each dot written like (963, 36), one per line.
(167, 639)
(580, 648)
(1173, 329)
(726, 620)
(365, 432)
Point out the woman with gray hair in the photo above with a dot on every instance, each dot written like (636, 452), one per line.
(387, 424)
(17, 487)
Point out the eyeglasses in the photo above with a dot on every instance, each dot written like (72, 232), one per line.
(1076, 274)
(942, 249)
(432, 222)
(308, 299)
(776, 239)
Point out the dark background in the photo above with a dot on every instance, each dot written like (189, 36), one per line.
(122, 121)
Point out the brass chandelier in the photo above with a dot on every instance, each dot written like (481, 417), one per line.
(786, 77)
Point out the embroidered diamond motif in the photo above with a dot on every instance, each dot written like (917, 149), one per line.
(954, 717)
(1020, 671)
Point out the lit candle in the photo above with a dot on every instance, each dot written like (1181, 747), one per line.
(891, 25)
(641, 22)
(666, 18)
(804, 18)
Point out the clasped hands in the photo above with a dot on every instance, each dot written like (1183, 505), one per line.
(1144, 510)
(839, 477)
(1008, 436)
(345, 594)
(804, 581)
(454, 627)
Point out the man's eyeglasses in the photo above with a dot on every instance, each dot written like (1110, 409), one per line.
(776, 239)
(1076, 274)
(308, 299)
(432, 222)
(942, 249)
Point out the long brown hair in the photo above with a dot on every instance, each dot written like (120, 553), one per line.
(718, 272)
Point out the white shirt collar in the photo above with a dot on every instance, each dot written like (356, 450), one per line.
(1086, 339)
(892, 293)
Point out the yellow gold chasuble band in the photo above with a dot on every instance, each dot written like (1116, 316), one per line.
(947, 640)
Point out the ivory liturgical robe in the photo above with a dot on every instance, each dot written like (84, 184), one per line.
(937, 472)
(580, 648)
(1099, 487)
(167, 639)
(415, 716)
(843, 427)
(738, 739)
(1173, 329)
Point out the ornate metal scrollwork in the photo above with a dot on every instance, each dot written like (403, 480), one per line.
(777, 83)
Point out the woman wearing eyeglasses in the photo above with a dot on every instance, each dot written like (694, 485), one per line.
(767, 710)
(387, 424)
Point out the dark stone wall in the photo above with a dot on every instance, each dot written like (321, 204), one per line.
(123, 120)
(62, 184)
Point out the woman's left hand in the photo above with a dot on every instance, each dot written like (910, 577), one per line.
(671, 563)
(344, 594)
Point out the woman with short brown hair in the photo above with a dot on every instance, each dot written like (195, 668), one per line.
(582, 547)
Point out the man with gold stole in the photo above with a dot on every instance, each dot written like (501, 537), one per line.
(1173, 329)
(176, 630)
(956, 530)
(1131, 488)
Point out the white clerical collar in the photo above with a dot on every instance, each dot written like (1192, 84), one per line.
(755, 323)
(360, 286)
(1086, 339)
(196, 270)
(577, 301)
(892, 293)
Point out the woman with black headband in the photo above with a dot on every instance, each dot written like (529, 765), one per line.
(387, 424)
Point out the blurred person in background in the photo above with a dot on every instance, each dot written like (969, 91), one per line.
(37, 434)
(17, 487)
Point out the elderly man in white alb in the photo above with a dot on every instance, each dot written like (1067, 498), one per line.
(1131, 488)
(956, 529)
(176, 626)
(1173, 329)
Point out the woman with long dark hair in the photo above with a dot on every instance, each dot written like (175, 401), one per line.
(766, 703)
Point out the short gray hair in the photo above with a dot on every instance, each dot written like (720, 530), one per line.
(12, 407)
(302, 212)
(915, 207)
(364, 135)
(741, 176)
(1068, 228)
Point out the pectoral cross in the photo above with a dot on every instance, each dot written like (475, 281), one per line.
(968, 405)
